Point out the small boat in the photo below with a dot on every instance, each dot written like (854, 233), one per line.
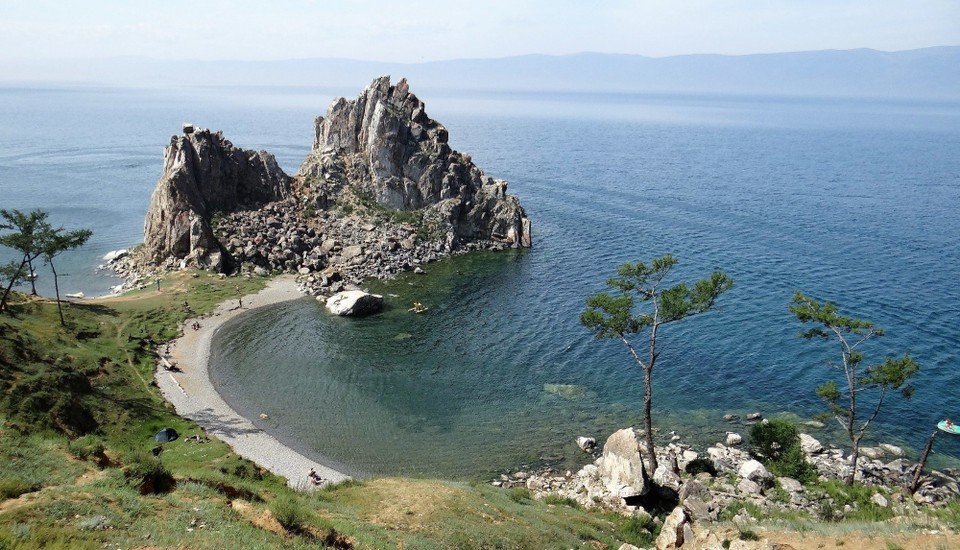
(949, 427)
(74, 295)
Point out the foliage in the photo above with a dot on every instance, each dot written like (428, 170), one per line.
(776, 443)
(147, 473)
(844, 402)
(639, 305)
(520, 495)
(700, 465)
(86, 447)
(289, 512)
(640, 530)
(835, 496)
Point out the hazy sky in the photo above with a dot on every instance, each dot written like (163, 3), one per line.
(425, 30)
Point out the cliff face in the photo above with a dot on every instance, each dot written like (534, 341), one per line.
(375, 154)
(205, 175)
(383, 145)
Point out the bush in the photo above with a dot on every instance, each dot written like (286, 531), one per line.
(147, 473)
(86, 447)
(289, 512)
(701, 465)
(777, 445)
(520, 495)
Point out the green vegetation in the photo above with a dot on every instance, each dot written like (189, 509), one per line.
(638, 286)
(78, 412)
(851, 333)
(776, 444)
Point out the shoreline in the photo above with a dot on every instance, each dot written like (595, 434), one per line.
(194, 396)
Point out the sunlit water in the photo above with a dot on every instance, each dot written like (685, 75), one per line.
(848, 201)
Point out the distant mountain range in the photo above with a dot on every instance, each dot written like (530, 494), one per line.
(929, 73)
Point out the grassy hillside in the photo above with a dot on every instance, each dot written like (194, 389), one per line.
(79, 410)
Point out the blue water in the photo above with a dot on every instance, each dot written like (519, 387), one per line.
(855, 202)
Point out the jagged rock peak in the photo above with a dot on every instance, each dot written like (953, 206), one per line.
(205, 175)
(383, 145)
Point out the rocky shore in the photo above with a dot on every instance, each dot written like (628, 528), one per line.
(380, 193)
(696, 486)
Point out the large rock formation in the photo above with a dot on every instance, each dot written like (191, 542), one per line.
(205, 175)
(383, 145)
(378, 158)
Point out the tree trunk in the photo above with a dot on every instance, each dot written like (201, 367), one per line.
(648, 420)
(13, 281)
(923, 462)
(31, 274)
(854, 456)
(56, 286)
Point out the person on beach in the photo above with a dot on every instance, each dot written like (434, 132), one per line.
(158, 284)
(314, 477)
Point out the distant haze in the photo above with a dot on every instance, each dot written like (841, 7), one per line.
(929, 73)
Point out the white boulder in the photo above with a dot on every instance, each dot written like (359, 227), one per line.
(354, 303)
(622, 465)
(754, 471)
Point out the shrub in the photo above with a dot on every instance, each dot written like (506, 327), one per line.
(147, 473)
(520, 495)
(561, 501)
(289, 512)
(699, 466)
(777, 445)
(86, 446)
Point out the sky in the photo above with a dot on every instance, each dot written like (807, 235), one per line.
(411, 31)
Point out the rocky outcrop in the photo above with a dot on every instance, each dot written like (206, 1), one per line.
(205, 175)
(383, 147)
(381, 192)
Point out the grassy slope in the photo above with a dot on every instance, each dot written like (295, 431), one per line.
(94, 377)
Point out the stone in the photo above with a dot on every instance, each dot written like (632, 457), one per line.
(790, 485)
(622, 464)
(351, 252)
(665, 477)
(749, 487)
(733, 439)
(873, 453)
(730, 418)
(628, 546)
(586, 444)
(892, 450)
(754, 417)
(115, 255)
(354, 303)
(754, 471)
(671, 534)
(879, 500)
(809, 445)
(815, 424)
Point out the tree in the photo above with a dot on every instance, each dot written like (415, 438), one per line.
(25, 239)
(850, 334)
(53, 242)
(638, 286)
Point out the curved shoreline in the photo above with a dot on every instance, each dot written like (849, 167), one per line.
(193, 395)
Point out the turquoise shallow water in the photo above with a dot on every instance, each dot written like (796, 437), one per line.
(851, 201)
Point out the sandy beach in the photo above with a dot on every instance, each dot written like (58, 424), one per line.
(193, 395)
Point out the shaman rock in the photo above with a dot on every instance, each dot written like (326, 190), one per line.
(204, 175)
(383, 146)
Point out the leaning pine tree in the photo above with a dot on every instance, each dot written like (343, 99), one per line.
(637, 309)
(844, 400)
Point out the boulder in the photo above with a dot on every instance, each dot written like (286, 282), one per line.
(873, 453)
(354, 303)
(892, 450)
(733, 439)
(790, 485)
(622, 464)
(754, 471)
(671, 534)
(665, 477)
(586, 444)
(809, 445)
(880, 500)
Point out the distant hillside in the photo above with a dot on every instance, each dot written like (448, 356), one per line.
(929, 73)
